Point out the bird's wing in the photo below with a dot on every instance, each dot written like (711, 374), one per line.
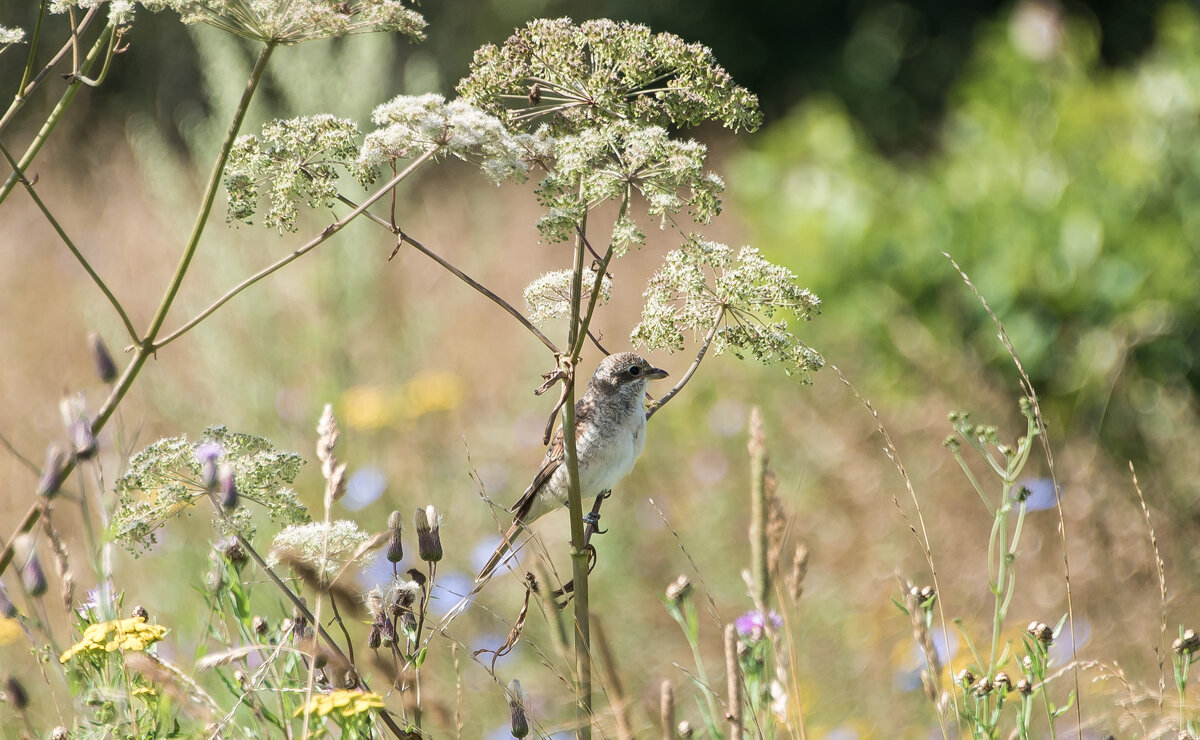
(555, 455)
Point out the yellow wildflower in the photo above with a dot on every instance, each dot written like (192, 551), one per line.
(131, 634)
(344, 702)
(10, 630)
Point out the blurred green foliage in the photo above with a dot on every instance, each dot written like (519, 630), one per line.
(1070, 193)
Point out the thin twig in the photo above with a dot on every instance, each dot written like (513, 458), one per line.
(328, 232)
(708, 338)
(23, 95)
(15, 453)
(1161, 648)
(21, 178)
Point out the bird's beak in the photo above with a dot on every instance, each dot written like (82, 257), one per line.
(655, 373)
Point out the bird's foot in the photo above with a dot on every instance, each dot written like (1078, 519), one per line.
(592, 518)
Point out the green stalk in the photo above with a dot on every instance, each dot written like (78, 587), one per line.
(56, 115)
(579, 559)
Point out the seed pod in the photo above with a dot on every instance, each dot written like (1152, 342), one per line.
(106, 369)
(52, 472)
(228, 488)
(518, 721)
(429, 539)
(395, 548)
(16, 693)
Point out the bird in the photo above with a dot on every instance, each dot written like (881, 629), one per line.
(610, 433)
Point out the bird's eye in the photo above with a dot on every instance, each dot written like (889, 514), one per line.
(635, 371)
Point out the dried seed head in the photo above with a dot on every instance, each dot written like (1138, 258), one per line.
(429, 539)
(106, 369)
(140, 611)
(926, 595)
(518, 721)
(965, 677)
(233, 552)
(259, 624)
(684, 729)
(795, 581)
(59, 733)
(1002, 681)
(1024, 686)
(227, 483)
(349, 679)
(417, 576)
(982, 687)
(679, 590)
(52, 472)
(395, 548)
(15, 693)
(666, 706)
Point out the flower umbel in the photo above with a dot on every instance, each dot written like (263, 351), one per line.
(706, 287)
(549, 296)
(298, 20)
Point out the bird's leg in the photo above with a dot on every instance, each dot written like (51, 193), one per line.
(592, 518)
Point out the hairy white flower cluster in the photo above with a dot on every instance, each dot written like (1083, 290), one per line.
(706, 286)
(325, 547)
(11, 35)
(296, 20)
(411, 124)
(613, 162)
(549, 296)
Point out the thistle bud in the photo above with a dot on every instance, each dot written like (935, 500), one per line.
(33, 578)
(106, 369)
(82, 439)
(965, 678)
(349, 679)
(679, 590)
(207, 455)
(232, 550)
(1024, 686)
(1002, 681)
(429, 539)
(374, 639)
(140, 611)
(518, 721)
(982, 687)
(395, 548)
(8, 610)
(15, 693)
(227, 484)
(52, 472)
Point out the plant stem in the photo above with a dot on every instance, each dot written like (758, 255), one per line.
(23, 94)
(56, 115)
(758, 513)
(70, 245)
(579, 558)
(708, 338)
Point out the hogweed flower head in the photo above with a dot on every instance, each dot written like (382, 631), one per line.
(324, 547)
(297, 21)
(549, 296)
(410, 125)
(10, 36)
(602, 71)
(705, 286)
(133, 634)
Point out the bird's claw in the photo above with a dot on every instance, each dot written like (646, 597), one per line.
(593, 518)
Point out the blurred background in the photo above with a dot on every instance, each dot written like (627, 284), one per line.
(1052, 149)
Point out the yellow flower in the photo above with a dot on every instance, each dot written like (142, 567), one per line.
(346, 703)
(10, 631)
(131, 634)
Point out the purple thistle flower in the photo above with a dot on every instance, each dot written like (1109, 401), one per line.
(754, 623)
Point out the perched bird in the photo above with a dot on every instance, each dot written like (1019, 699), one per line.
(610, 433)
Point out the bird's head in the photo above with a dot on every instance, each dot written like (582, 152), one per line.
(624, 372)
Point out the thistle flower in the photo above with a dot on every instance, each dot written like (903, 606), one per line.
(52, 472)
(753, 624)
(429, 539)
(106, 369)
(518, 720)
(395, 548)
(227, 483)
(15, 693)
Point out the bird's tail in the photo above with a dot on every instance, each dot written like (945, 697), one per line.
(502, 550)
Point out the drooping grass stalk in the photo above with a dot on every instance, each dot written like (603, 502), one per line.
(758, 514)
(57, 113)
